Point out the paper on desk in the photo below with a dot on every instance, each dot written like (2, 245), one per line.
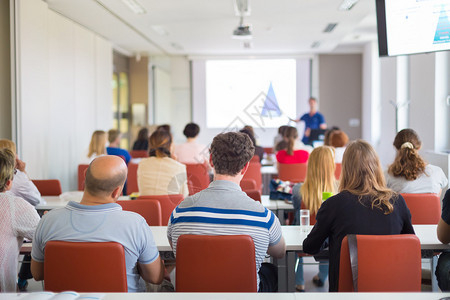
(71, 196)
(61, 296)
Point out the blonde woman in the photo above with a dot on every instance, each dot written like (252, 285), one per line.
(319, 178)
(364, 205)
(97, 147)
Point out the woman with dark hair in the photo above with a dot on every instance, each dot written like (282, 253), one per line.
(364, 205)
(159, 174)
(259, 151)
(290, 155)
(191, 152)
(409, 173)
(338, 140)
(142, 140)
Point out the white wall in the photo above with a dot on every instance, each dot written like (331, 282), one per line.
(64, 76)
(5, 72)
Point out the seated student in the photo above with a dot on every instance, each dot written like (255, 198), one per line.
(114, 137)
(338, 140)
(160, 174)
(98, 218)
(259, 151)
(409, 173)
(18, 220)
(224, 200)
(142, 140)
(191, 152)
(97, 147)
(290, 155)
(364, 206)
(326, 140)
(443, 234)
(280, 136)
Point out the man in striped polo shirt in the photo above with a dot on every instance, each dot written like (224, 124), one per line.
(224, 209)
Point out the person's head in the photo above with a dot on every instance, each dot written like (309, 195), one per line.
(160, 143)
(98, 143)
(247, 132)
(165, 127)
(143, 134)
(7, 167)
(282, 129)
(105, 177)
(312, 104)
(408, 163)
(338, 139)
(319, 177)
(230, 152)
(326, 140)
(114, 136)
(362, 174)
(191, 130)
(291, 135)
(7, 144)
(250, 129)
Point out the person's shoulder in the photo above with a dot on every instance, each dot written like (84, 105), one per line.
(433, 169)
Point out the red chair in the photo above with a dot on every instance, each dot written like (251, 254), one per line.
(81, 176)
(337, 171)
(268, 150)
(248, 184)
(48, 187)
(255, 158)
(292, 172)
(168, 204)
(254, 194)
(149, 209)
(424, 208)
(385, 263)
(215, 264)
(132, 184)
(254, 172)
(139, 153)
(85, 267)
(198, 177)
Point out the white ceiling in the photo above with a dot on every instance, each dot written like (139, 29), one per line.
(204, 27)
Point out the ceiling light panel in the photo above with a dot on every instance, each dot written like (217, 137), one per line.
(347, 4)
(330, 27)
(135, 6)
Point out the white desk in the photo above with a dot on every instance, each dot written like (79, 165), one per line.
(62, 200)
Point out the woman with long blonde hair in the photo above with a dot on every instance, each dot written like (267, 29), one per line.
(364, 205)
(319, 178)
(97, 147)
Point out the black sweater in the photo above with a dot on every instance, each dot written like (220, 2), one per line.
(343, 214)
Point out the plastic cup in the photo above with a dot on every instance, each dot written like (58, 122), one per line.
(326, 195)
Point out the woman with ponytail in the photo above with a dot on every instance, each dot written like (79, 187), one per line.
(409, 173)
(290, 155)
(159, 174)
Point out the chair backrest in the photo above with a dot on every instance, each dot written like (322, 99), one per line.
(292, 172)
(223, 263)
(424, 208)
(168, 204)
(85, 267)
(48, 187)
(386, 263)
(254, 172)
(132, 183)
(139, 153)
(254, 194)
(255, 158)
(198, 177)
(81, 176)
(149, 209)
(248, 184)
(337, 171)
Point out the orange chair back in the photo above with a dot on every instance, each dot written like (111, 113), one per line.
(424, 208)
(268, 150)
(254, 194)
(168, 204)
(81, 176)
(200, 270)
(386, 263)
(139, 153)
(254, 172)
(85, 267)
(198, 177)
(337, 171)
(132, 184)
(48, 187)
(292, 172)
(149, 209)
(255, 158)
(248, 184)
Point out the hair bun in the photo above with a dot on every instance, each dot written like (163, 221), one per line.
(407, 145)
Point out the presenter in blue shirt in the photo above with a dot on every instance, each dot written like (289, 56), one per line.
(313, 120)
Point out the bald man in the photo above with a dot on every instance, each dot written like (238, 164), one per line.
(98, 218)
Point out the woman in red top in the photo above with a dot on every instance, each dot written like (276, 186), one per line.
(289, 155)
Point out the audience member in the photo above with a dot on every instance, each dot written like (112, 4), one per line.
(313, 120)
(326, 140)
(159, 174)
(280, 136)
(191, 152)
(409, 173)
(364, 206)
(259, 151)
(228, 210)
(165, 127)
(443, 234)
(114, 137)
(290, 155)
(319, 179)
(18, 221)
(98, 218)
(338, 140)
(142, 140)
(97, 147)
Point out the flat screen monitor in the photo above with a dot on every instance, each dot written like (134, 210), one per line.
(412, 26)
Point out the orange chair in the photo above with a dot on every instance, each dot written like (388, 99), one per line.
(424, 208)
(337, 171)
(132, 184)
(385, 263)
(254, 194)
(254, 172)
(149, 209)
(292, 172)
(200, 270)
(168, 204)
(268, 150)
(81, 176)
(139, 153)
(48, 187)
(85, 267)
(255, 158)
(248, 184)
(198, 177)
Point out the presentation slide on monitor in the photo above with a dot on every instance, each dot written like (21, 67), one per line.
(417, 26)
(259, 92)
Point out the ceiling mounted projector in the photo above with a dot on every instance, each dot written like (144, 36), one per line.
(242, 32)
